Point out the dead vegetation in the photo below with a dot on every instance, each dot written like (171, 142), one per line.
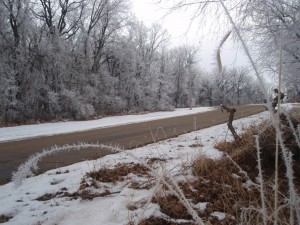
(90, 185)
(5, 218)
(227, 189)
(243, 151)
(118, 173)
(220, 185)
(170, 205)
(230, 185)
(94, 183)
(160, 221)
(82, 194)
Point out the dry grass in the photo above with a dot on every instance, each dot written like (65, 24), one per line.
(118, 173)
(229, 185)
(220, 186)
(203, 166)
(243, 152)
(170, 205)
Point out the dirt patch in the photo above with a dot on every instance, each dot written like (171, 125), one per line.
(83, 194)
(196, 145)
(153, 160)
(5, 218)
(160, 221)
(47, 197)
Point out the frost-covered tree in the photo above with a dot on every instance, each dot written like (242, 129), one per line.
(183, 60)
(233, 87)
(61, 17)
(263, 22)
(79, 59)
(148, 43)
(205, 90)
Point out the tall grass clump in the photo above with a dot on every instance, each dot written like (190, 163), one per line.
(255, 153)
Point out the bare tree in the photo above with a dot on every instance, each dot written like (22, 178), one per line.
(61, 16)
(240, 79)
(17, 13)
(184, 58)
(263, 22)
(149, 43)
(104, 19)
(190, 62)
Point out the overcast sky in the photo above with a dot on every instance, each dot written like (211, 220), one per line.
(178, 24)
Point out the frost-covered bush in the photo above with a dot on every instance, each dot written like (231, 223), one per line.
(113, 104)
(85, 111)
(73, 106)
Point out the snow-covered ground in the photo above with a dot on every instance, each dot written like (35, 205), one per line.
(48, 129)
(21, 205)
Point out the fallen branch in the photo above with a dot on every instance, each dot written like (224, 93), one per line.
(229, 124)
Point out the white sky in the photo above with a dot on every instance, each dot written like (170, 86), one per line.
(20, 202)
(177, 25)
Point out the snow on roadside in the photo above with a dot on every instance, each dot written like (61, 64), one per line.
(48, 129)
(175, 154)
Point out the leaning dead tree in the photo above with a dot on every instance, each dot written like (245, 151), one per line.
(229, 124)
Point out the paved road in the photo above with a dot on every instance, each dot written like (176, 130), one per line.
(13, 153)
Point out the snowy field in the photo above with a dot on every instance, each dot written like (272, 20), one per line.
(21, 205)
(48, 129)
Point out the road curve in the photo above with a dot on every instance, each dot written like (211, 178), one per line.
(13, 153)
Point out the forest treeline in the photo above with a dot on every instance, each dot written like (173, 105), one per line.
(77, 59)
